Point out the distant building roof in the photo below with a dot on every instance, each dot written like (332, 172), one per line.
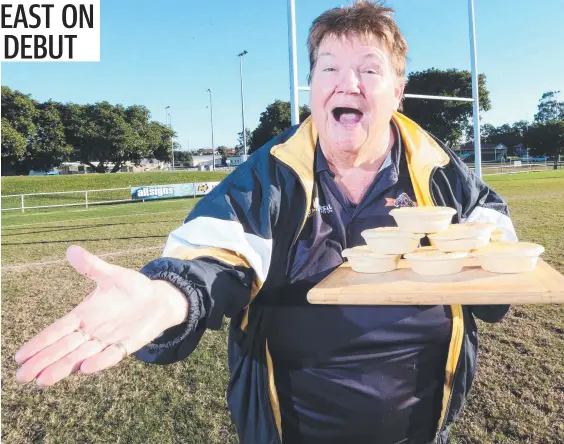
(484, 146)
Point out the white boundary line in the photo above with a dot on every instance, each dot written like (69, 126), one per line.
(8, 216)
(80, 219)
(59, 261)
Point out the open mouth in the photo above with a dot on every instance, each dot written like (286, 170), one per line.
(347, 116)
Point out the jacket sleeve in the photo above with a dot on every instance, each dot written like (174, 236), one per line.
(480, 203)
(219, 258)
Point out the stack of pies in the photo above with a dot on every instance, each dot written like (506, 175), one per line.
(509, 257)
(364, 260)
(452, 244)
(463, 237)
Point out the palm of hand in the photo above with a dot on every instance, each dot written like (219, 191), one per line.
(126, 308)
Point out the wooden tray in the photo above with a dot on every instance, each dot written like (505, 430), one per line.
(473, 285)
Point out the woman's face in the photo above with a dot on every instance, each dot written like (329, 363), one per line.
(353, 93)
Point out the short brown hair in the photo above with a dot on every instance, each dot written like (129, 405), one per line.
(363, 18)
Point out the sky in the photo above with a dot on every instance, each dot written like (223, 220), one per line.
(169, 53)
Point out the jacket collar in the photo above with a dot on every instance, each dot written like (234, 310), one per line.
(393, 156)
(423, 155)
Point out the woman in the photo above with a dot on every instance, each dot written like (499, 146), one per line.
(254, 246)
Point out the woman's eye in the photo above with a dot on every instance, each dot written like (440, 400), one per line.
(329, 69)
(371, 71)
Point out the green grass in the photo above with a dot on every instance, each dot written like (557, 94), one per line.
(82, 182)
(76, 182)
(31, 237)
(517, 397)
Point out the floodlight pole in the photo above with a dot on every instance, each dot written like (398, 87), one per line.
(241, 55)
(294, 104)
(475, 90)
(169, 121)
(211, 120)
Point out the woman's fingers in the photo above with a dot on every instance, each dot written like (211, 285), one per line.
(90, 265)
(111, 356)
(49, 355)
(71, 354)
(69, 364)
(123, 298)
(55, 332)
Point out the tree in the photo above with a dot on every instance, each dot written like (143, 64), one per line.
(158, 139)
(49, 147)
(521, 127)
(487, 131)
(40, 136)
(546, 135)
(447, 120)
(20, 110)
(546, 139)
(240, 143)
(222, 151)
(183, 156)
(19, 114)
(509, 135)
(273, 121)
(113, 134)
(549, 108)
(34, 134)
(98, 133)
(14, 146)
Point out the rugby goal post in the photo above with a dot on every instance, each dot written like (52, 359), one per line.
(295, 88)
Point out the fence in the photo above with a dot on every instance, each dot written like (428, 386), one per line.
(84, 198)
(222, 168)
(514, 167)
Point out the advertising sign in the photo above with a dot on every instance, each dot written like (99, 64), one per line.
(150, 192)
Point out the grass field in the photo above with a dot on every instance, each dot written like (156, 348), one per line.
(82, 182)
(518, 395)
(38, 184)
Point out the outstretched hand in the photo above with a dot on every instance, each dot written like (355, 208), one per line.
(125, 312)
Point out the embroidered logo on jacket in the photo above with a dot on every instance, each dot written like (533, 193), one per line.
(403, 200)
(316, 208)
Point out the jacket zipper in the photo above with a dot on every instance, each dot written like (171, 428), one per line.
(295, 238)
(443, 422)
(297, 234)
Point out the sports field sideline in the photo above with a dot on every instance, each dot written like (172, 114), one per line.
(518, 395)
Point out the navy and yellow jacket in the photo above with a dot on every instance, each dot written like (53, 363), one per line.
(231, 259)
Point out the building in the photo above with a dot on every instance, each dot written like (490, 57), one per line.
(149, 165)
(491, 152)
(80, 168)
(204, 161)
(235, 159)
(520, 150)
